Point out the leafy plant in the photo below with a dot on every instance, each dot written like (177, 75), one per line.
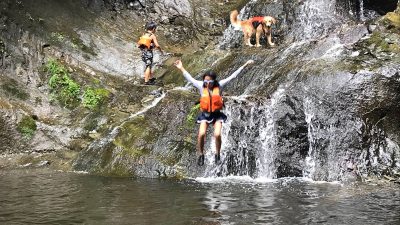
(191, 117)
(92, 98)
(27, 126)
(66, 89)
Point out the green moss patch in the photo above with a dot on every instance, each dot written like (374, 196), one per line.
(68, 91)
(93, 97)
(27, 126)
(134, 136)
(192, 116)
(394, 19)
(65, 89)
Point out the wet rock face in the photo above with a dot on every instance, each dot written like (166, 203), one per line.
(293, 141)
(329, 123)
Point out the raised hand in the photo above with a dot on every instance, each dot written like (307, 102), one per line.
(249, 62)
(178, 64)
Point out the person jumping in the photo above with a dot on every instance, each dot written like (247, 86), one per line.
(211, 104)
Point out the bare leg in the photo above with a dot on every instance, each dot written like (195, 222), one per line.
(201, 137)
(147, 74)
(217, 136)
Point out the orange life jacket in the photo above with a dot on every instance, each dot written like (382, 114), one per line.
(211, 101)
(145, 41)
(259, 19)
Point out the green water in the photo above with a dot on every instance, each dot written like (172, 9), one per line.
(48, 197)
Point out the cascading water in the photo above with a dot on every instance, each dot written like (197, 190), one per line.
(309, 168)
(252, 136)
(248, 139)
(267, 136)
(362, 17)
(314, 19)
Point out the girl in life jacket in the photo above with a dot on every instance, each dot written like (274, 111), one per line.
(211, 104)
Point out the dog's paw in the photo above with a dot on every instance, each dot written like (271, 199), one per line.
(272, 44)
(258, 46)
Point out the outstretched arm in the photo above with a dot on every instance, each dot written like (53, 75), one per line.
(156, 44)
(223, 82)
(197, 83)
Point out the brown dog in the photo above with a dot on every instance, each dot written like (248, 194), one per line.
(259, 25)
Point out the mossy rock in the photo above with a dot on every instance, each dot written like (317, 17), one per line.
(134, 135)
(394, 19)
(12, 88)
(194, 63)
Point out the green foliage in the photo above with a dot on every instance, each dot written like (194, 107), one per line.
(27, 126)
(66, 89)
(92, 98)
(68, 92)
(191, 117)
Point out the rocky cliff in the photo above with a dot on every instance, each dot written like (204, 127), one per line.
(322, 104)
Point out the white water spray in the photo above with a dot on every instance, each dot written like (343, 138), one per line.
(309, 169)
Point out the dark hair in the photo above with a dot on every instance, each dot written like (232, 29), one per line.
(213, 75)
(151, 25)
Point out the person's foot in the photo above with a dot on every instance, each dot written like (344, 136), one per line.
(217, 158)
(150, 82)
(200, 160)
(153, 79)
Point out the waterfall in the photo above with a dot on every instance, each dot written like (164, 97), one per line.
(248, 139)
(266, 167)
(322, 137)
(309, 168)
(362, 17)
(314, 19)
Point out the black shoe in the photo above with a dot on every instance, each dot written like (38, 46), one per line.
(150, 82)
(153, 79)
(217, 158)
(200, 160)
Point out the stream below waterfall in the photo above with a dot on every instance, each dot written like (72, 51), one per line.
(48, 197)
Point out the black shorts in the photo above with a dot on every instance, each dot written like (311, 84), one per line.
(147, 58)
(211, 117)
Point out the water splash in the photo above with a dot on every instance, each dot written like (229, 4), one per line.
(234, 179)
(248, 139)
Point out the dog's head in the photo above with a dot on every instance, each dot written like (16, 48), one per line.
(269, 20)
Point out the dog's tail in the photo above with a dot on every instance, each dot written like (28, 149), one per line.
(234, 20)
